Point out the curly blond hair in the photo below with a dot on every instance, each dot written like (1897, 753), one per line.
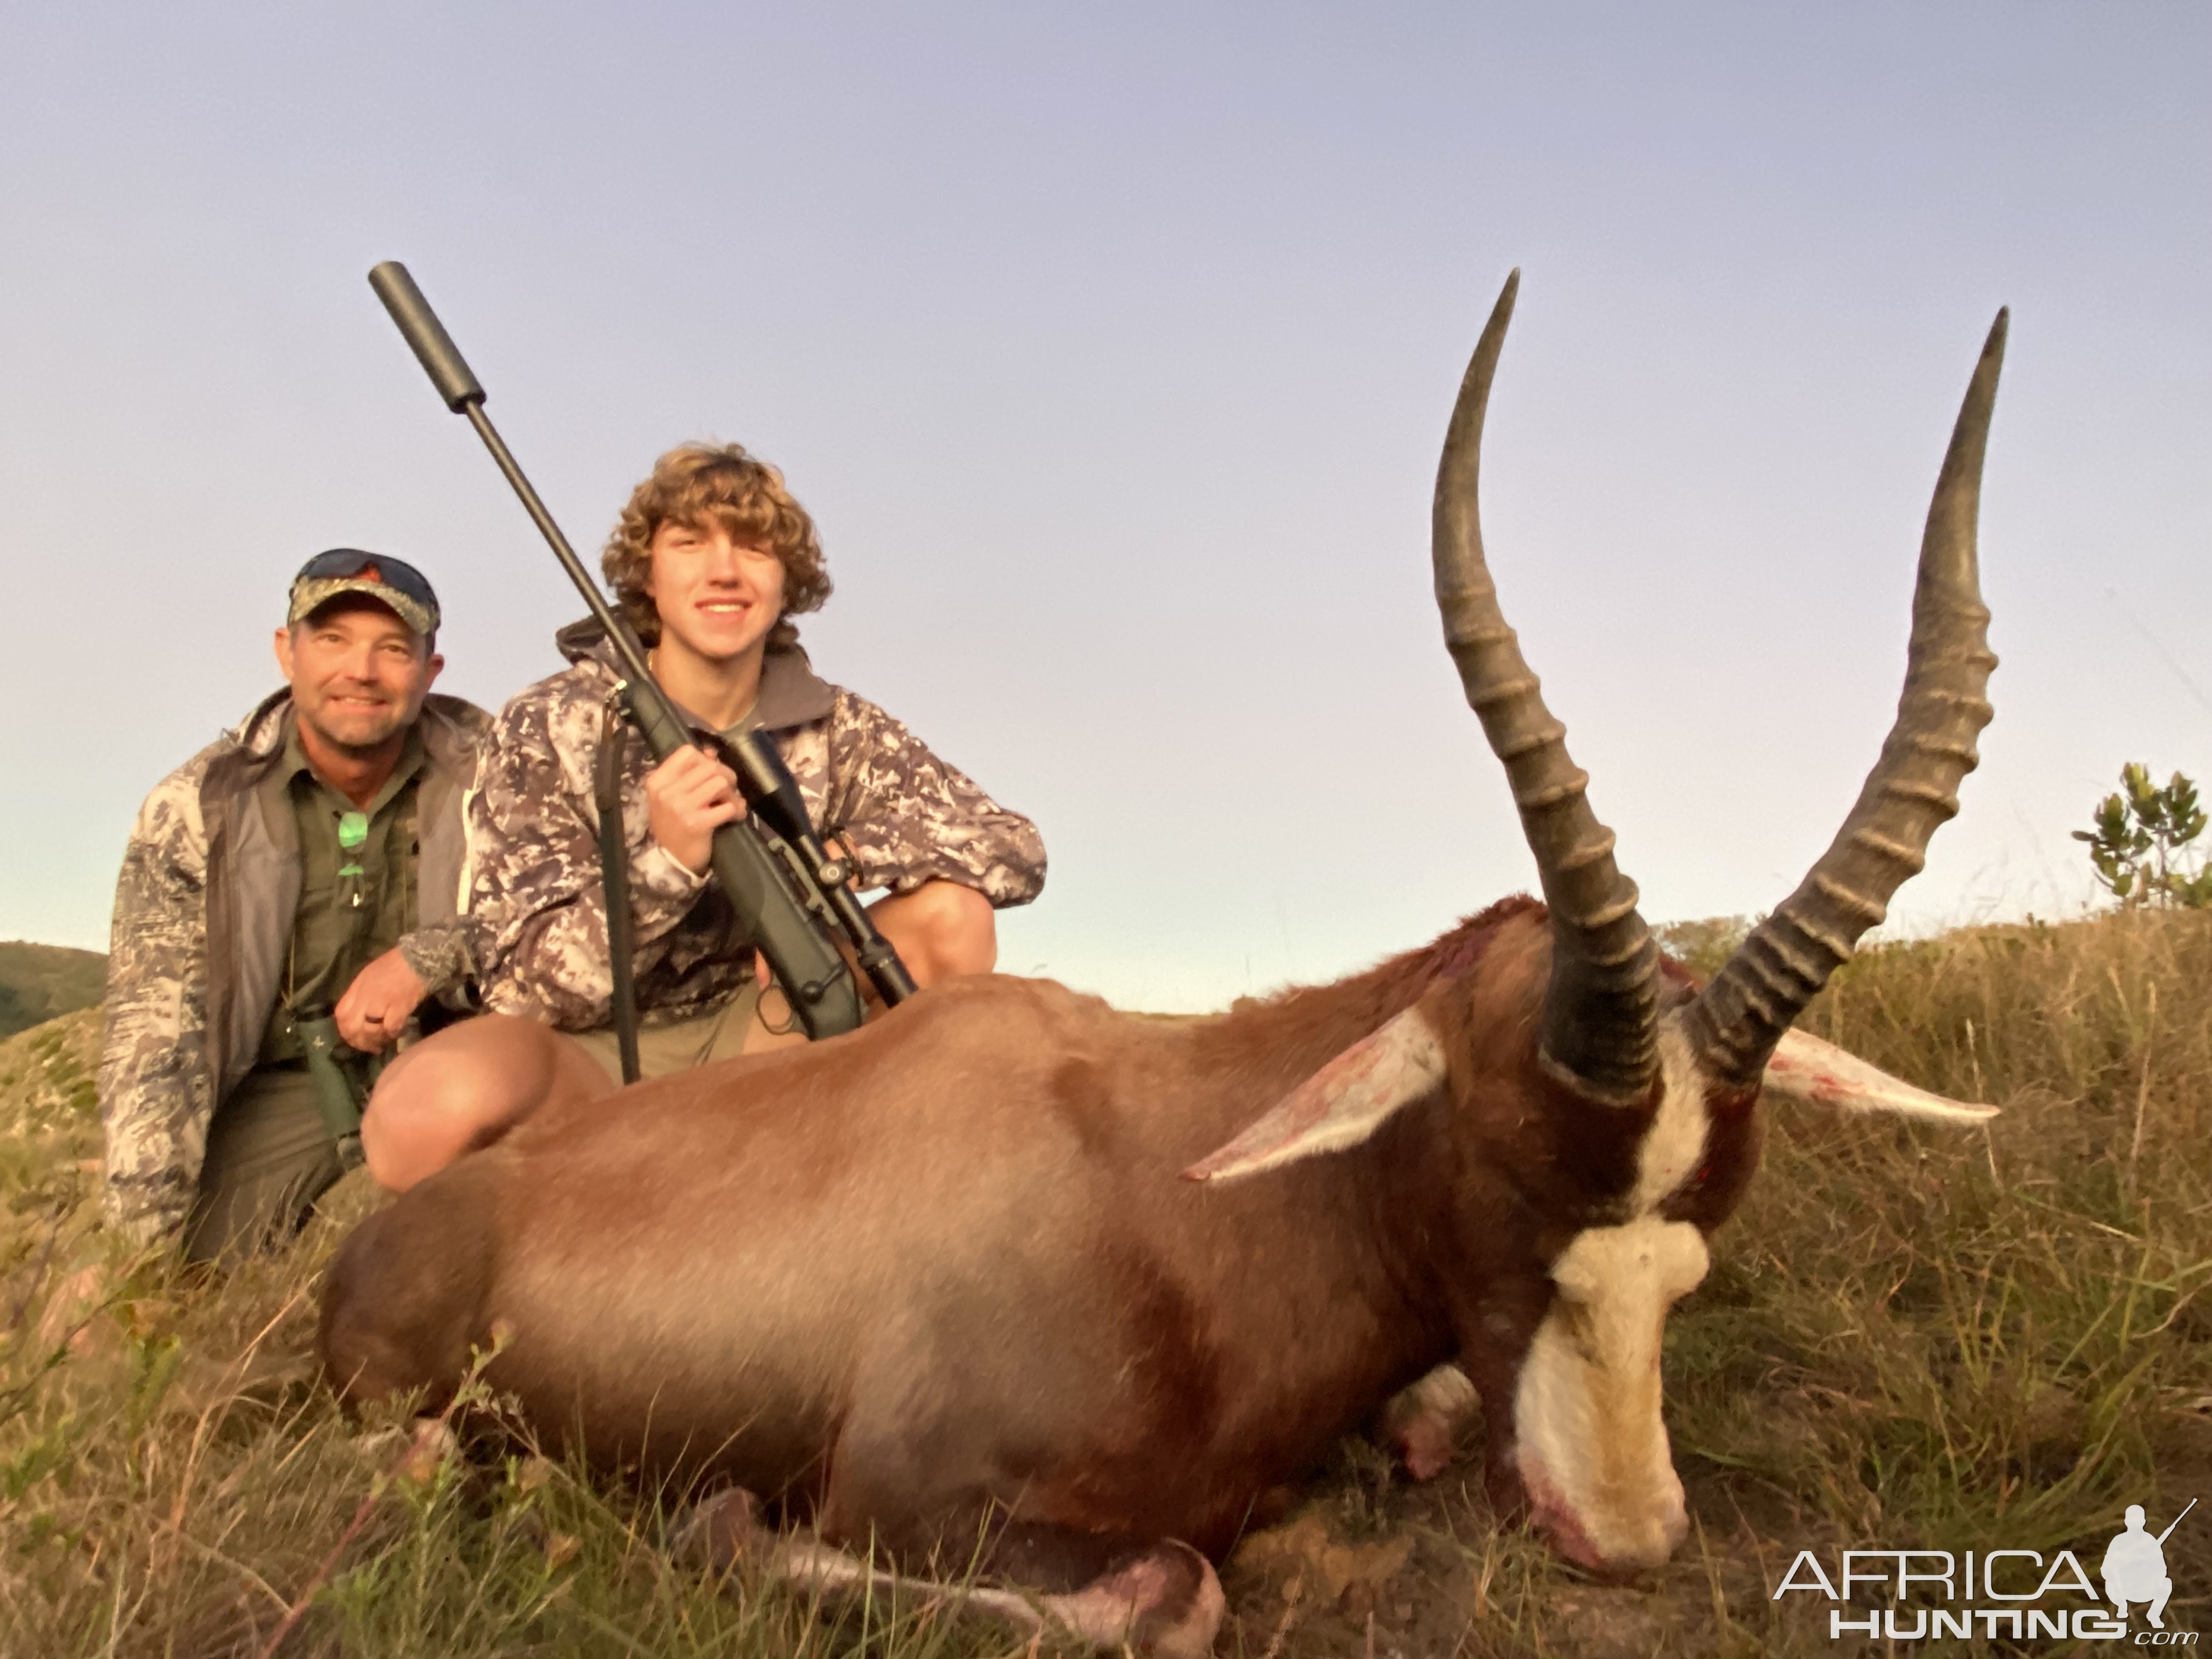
(707, 485)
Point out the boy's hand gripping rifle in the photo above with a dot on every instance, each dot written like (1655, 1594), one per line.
(784, 883)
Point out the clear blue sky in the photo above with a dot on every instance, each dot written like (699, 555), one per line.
(1112, 351)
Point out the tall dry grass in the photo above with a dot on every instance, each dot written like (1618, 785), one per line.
(1911, 1337)
(1920, 1338)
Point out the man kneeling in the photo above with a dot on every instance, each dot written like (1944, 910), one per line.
(710, 562)
(309, 860)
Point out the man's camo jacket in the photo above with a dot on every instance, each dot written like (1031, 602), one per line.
(535, 884)
(203, 911)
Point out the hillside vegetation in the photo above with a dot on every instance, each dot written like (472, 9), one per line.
(40, 982)
(1909, 1338)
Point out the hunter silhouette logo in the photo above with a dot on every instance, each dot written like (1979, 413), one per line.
(2135, 1567)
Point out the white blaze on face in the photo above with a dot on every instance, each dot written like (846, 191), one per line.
(1591, 1444)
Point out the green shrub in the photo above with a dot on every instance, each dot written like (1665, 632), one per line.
(2136, 842)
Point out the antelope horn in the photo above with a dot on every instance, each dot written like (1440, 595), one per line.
(1739, 1017)
(1601, 1007)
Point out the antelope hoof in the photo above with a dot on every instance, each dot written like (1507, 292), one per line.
(1166, 1602)
(1422, 1424)
(722, 1529)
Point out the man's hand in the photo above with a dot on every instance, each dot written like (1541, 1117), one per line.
(689, 796)
(377, 1006)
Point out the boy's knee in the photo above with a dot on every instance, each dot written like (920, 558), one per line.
(414, 1129)
(459, 1090)
(959, 931)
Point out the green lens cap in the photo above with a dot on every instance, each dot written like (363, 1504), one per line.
(353, 829)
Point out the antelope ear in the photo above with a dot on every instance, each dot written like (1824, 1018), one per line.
(1339, 1106)
(1804, 1068)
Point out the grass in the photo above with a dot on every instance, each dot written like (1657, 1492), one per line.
(1911, 1338)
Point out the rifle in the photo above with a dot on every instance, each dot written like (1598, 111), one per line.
(785, 884)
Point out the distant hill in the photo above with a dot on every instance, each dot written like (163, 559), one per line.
(38, 983)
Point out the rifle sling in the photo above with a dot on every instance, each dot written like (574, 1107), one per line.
(614, 873)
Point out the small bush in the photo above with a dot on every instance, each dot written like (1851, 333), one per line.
(2136, 842)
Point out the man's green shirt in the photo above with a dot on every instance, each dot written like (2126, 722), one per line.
(357, 882)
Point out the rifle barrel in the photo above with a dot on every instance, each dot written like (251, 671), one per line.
(2176, 1522)
(617, 631)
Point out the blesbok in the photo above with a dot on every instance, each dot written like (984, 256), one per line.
(1008, 1263)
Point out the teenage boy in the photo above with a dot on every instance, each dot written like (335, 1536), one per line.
(710, 561)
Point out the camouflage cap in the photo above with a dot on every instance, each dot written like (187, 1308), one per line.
(390, 582)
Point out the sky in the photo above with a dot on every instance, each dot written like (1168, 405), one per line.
(1111, 348)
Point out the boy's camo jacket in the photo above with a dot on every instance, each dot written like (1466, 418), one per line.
(534, 879)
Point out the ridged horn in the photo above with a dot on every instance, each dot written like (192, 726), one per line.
(1739, 1017)
(1601, 1007)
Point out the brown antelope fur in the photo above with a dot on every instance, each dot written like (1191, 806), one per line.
(983, 1185)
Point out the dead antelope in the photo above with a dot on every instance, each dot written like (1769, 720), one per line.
(1007, 1262)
